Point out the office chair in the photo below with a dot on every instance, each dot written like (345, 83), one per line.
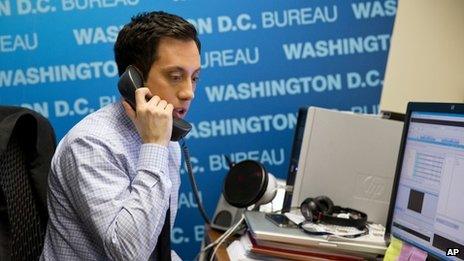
(27, 143)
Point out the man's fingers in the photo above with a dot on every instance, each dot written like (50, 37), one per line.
(162, 104)
(140, 95)
(169, 108)
(154, 101)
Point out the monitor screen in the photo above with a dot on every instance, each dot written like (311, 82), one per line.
(428, 210)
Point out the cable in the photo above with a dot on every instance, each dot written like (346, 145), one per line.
(193, 182)
(229, 162)
(226, 235)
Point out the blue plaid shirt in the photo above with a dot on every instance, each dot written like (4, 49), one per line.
(108, 193)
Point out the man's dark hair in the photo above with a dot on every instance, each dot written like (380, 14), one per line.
(137, 42)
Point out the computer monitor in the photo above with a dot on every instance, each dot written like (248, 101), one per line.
(427, 204)
(294, 156)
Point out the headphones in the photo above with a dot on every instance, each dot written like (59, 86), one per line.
(322, 209)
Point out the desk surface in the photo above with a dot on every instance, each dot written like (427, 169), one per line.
(210, 236)
(221, 254)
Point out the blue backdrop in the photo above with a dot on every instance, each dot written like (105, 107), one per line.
(261, 60)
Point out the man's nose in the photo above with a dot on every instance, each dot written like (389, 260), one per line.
(186, 92)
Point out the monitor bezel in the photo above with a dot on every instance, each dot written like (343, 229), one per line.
(294, 157)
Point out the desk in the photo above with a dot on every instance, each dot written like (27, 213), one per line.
(222, 255)
(210, 236)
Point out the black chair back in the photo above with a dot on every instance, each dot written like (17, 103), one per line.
(24, 167)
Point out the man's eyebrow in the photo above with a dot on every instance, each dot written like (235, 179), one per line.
(179, 68)
(173, 68)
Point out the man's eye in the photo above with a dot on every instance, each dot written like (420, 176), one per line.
(196, 79)
(175, 77)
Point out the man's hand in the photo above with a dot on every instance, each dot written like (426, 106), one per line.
(152, 118)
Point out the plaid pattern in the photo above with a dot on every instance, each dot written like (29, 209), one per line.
(108, 193)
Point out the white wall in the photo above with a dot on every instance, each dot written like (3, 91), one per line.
(426, 59)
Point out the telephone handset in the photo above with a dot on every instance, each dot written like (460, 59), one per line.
(132, 79)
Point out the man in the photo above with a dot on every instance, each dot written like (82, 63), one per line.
(115, 174)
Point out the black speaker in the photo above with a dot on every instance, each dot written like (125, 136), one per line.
(247, 183)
